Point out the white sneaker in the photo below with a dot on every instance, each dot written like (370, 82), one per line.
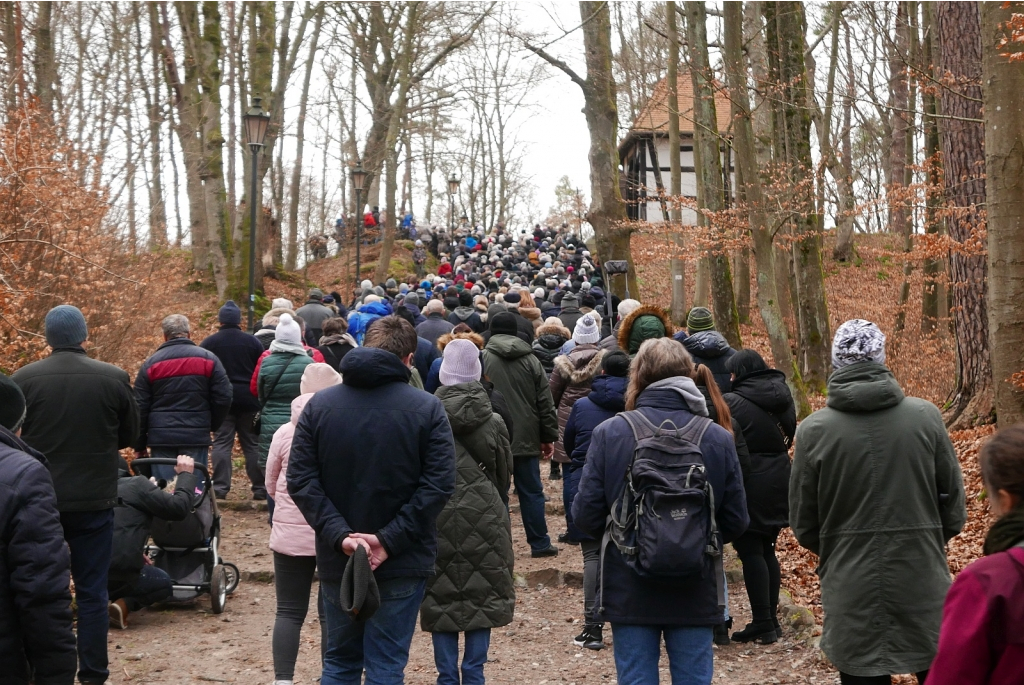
(282, 682)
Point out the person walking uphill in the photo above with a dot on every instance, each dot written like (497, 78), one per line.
(292, 541)
(36, 640)
(570, 379)
(184, 394)
(79, 413)
(314, 313)
(644, 609)
(510, 364)
(238, 352)
(707, 346)
(876, 492)
(984, 614)
(358, 485)
(762, 406)
(472, 589)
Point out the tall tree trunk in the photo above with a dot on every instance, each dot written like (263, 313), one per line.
(787, 22)
(44, 60)
(963, 154)
(154, 113)
(218, 230)
(1003, 90)
(707, 158)
(933, 166)
(749, 176)
(909, 39)
(677, 265)
(842, 169)
(300, 140)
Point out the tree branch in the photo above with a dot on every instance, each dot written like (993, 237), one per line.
(554, 61)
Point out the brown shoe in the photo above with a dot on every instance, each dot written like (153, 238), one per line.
(118, 612)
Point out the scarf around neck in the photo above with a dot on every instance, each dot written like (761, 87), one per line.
(281, 346)
(1007, 532)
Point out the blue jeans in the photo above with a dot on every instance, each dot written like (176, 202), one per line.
(526, 471)
(152, 585)
(446, 656)
(638, 649)
(381, 644)
(161, 472)
(90, 538)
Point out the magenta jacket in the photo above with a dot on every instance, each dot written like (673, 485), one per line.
(982, 638)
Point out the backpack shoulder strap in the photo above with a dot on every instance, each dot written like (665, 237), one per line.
(695, 429)
(640, 425)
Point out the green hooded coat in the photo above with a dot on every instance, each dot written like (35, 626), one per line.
(472, 586)
(876, 492)
(510, 364)
(276, 399)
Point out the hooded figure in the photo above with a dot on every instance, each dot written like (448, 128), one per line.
(876, 492)
(572, 376)
(550, 338)
(643, 323)
(707, 346)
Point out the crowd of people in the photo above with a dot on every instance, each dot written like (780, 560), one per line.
(391, 431)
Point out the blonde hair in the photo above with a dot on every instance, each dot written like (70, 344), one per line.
(660, 358)
(526, 299)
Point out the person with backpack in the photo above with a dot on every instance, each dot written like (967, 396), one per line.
(983, 619)
(661, 574)
(606, 399)
(336, 342)
(763, 407)
(876, 492)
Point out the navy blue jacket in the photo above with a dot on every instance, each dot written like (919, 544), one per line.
(426, 353)
(712, 350)
(373, 455)
(183, 394)
(238, 352)
(628, 598)
(35, 572)
(606, 399)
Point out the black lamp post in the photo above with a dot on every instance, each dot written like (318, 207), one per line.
(453, 187)
(256, 123)
(358, 177)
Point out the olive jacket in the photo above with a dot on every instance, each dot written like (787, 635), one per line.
(876, 492)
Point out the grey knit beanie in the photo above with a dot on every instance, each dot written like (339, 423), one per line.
(65, 326)
(460, 362)
(858, 340)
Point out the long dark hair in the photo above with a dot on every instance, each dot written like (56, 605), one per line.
(702, 376)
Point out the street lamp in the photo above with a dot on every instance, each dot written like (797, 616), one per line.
(453, 187)
(358, 177)
(256, 123)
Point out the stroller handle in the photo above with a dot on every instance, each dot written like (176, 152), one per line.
(174, 462)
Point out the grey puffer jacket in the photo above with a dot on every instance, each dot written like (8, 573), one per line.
(571, 379)
(472, 586)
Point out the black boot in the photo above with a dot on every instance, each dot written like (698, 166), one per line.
(556, 471)
(775, 620)
(722, 633)
(762, 632)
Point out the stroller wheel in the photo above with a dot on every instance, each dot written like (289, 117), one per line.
(218, 589)
(234, 575)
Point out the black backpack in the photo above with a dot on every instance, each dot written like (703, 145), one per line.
(663, 523)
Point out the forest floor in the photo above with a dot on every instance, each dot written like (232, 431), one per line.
(189, 644)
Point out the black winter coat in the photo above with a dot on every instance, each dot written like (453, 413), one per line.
(546, 347)
(35, 573)
(763, 407)
(139, 500)
(606, 399)
(712, 350)
(373, 455)
(468, 316)
(627, 597)
(238, 352)
(183, 393)
(80, 412)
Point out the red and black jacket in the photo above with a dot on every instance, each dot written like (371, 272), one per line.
(183, 394)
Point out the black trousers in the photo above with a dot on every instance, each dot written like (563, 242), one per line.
(293, 580)
(847, 679)
(761, 574)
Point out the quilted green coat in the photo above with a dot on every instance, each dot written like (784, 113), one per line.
(277, 406)
(472, 586)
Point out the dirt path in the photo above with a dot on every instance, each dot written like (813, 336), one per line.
(188, 644)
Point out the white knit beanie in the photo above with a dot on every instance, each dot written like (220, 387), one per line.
(586, 331)
(318, 376)
(288, 330)
(460, 362)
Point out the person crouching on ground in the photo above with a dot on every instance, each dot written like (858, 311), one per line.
(472, 589)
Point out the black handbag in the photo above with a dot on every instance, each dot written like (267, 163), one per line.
(257, 420)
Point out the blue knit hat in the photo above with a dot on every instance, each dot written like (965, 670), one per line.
(65, 326)
(230, 314)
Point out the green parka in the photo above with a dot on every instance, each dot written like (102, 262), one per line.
(472, 585)
(876, 492)
(510, 364)
(276, 399)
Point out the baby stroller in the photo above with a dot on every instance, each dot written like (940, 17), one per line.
(188, 550)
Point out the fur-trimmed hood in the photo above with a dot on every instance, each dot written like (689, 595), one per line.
(556, 329)
(647, 310)
(580, 365)
(530, 313)
(476, 339)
